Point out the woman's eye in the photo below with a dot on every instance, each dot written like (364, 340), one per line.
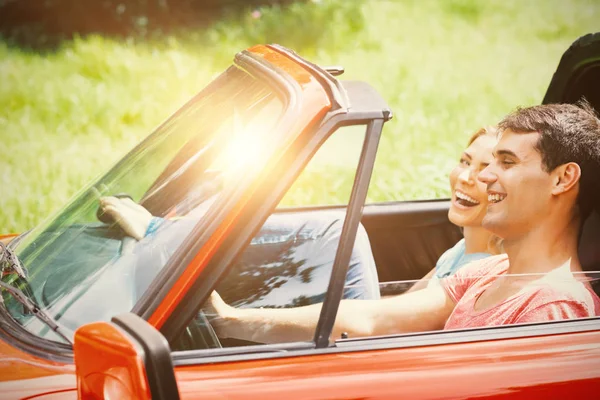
(464, 161)
(507, 162)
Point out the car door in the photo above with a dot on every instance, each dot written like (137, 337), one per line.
(547, 360)
(552, 360)
(552, 363)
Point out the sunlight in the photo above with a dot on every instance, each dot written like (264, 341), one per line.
(247, 145)
(244, 152)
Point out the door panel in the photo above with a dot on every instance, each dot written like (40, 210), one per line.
(550, 367)
(407, 238)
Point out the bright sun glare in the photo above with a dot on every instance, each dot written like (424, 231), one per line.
(247, 143)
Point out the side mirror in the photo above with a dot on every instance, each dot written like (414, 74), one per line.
(126, 358)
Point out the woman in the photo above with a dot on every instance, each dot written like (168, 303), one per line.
(467, 209)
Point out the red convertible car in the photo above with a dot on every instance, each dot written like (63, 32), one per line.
(90, 312)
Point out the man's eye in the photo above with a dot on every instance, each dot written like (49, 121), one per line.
(507, 162)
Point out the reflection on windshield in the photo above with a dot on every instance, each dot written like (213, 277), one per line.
(82, 269)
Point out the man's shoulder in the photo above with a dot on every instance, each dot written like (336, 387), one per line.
(563, 294)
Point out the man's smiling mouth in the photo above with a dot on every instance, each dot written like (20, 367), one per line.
(496, 197)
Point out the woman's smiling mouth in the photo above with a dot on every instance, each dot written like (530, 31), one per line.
(465, 200)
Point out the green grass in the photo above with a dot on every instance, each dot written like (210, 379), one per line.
(445, 68)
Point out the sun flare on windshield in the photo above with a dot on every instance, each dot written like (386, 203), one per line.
(247, 145)
(244, 152)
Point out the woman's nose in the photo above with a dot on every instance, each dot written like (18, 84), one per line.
(466, 176)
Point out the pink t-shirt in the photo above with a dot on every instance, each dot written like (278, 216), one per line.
(557, 295)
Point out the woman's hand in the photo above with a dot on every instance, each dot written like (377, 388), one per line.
(130, 216)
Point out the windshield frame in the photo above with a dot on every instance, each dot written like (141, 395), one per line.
(289, 89)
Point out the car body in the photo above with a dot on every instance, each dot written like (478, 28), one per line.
(133, 309)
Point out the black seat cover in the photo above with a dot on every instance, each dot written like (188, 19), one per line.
(589, 245)
(589, 249)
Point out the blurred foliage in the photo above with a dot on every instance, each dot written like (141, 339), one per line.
(445, 68)
(323, 25)
(46, 23)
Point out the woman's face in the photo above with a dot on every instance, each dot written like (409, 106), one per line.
(469, 196)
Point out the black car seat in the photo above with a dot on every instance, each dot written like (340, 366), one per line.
(589, 249)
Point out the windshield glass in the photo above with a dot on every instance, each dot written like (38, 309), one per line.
(95, 258)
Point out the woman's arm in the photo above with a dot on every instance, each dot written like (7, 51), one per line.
(423, 310)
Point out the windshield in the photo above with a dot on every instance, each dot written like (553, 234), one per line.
(90, 262)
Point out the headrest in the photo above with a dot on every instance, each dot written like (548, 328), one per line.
(589, 243)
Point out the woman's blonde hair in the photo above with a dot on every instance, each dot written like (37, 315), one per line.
(485, 130)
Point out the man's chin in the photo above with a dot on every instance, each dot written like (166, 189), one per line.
(492, 223)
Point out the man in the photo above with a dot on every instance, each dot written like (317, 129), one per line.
(541, 186)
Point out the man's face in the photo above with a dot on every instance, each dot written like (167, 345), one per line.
(518, 187)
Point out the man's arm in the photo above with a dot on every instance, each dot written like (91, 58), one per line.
(423, 282)
(423, 310)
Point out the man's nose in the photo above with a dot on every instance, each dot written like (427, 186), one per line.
(487, 175)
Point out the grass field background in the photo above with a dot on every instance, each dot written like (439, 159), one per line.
(445, 68)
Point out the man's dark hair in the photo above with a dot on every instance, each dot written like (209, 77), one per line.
(568, 133)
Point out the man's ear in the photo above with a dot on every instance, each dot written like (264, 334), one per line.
(565, 177)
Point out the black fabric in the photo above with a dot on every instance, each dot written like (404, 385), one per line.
(407, 238)
(577, 74)
(589, 245)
